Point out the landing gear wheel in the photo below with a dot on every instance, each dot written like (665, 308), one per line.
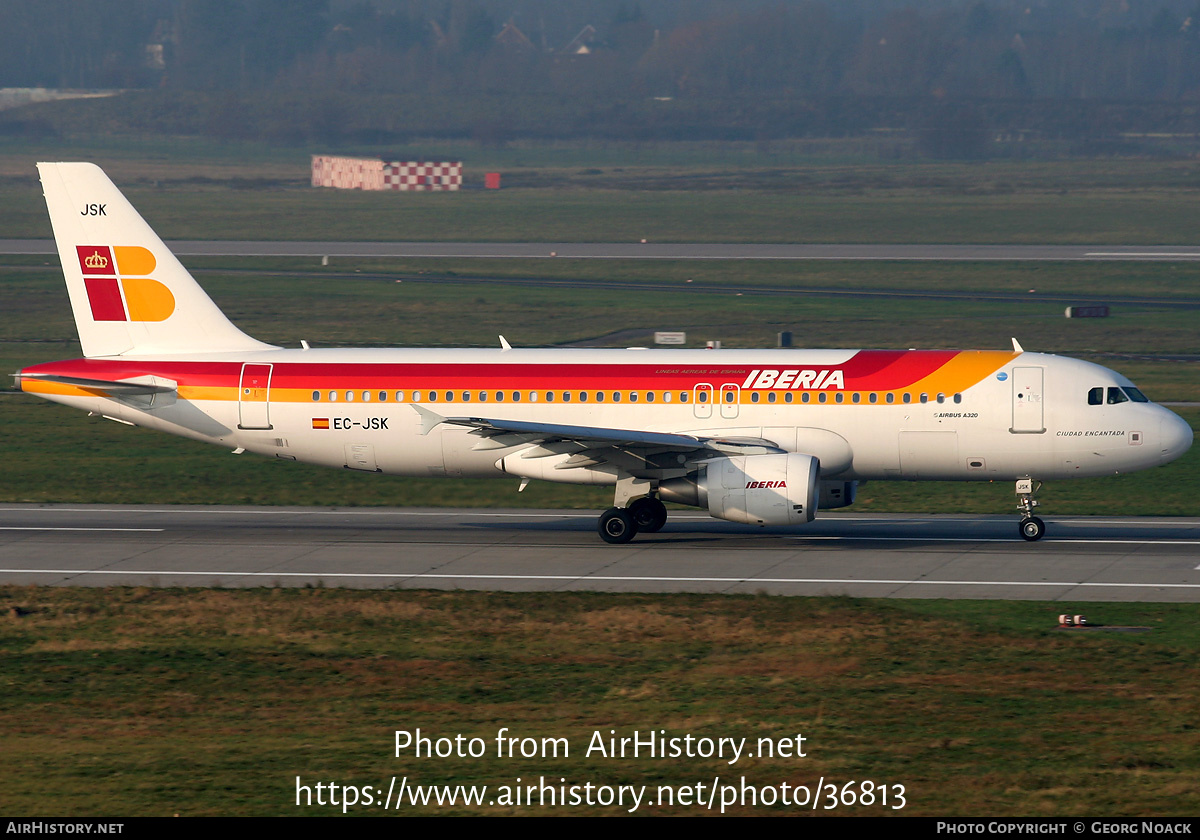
(617, 525)
(649, 514)
(1033, 528)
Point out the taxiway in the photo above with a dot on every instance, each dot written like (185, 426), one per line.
(893, 555)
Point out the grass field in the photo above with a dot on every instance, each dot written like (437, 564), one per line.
(612, 194)
(161, 702)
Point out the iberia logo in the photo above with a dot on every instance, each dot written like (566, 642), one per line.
(117, 286)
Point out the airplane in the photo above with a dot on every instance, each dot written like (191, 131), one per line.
(761, 437)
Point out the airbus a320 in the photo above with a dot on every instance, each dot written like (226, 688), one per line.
(761, 437)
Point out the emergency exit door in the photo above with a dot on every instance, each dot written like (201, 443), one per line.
(254, 397)
(1027, 406)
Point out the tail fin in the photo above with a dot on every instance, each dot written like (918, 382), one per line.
(130, 295)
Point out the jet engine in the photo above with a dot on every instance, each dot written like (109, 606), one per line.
(753, 489)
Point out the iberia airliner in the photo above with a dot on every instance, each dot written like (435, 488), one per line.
(762, 437)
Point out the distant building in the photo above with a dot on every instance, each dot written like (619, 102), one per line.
(378, 174)
(583, 43)
(512, 38)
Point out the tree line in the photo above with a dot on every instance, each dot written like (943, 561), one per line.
(801, 58)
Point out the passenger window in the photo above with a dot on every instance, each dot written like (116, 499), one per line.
(1116, 395)
(924, 398)
(753, 397)
(957, 399)
(383, 396)
(350, 396)
(316, 396)
(466, 396)
(1096, 396)
(333, 396)
(891, 398)
(366, 396)
(399, 396)
(683, 397)
(907, 398)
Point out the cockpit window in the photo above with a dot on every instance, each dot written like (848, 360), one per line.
(1135, 394)
(1116, 395)
(1096, 396)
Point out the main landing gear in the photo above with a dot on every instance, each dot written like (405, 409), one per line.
(1031, 527)
(620, 525)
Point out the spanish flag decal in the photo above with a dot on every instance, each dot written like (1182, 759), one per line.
(320, 422)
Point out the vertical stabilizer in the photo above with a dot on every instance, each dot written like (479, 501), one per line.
(129, 294)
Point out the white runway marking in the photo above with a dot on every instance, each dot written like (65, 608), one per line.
(1045, 541)
(88, 530)
(1142, 254)
(607, 578)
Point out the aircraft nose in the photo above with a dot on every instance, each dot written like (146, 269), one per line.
(1175, 435)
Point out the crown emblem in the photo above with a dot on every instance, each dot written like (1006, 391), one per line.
(96, 261)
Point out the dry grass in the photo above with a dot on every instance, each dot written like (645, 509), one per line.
(139, 701)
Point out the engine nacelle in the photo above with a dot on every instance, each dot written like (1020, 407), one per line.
(837, 494)
(752, 489)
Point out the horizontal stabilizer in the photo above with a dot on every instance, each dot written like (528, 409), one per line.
(116, 388)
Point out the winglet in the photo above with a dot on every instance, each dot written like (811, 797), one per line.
(504, 345)
(1017, 348)
(429, 419)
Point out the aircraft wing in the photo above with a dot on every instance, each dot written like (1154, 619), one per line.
(590, 445)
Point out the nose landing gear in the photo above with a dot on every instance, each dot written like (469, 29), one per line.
(1032, 528)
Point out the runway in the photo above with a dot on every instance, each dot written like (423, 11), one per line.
(655, 251)
(878, 556)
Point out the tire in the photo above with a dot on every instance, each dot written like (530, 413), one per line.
(649, 514)
(1032, 528)
(616, 526)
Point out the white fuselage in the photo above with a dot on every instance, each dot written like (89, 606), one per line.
(1009, 415)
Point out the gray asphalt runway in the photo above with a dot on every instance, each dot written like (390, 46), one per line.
(637, 250)
(900, 556)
